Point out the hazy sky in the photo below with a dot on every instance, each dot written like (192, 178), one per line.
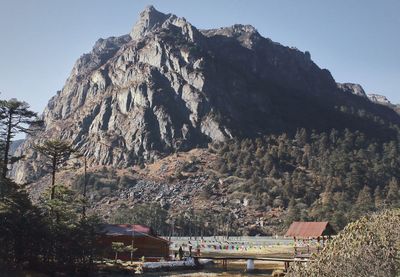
(358, 41)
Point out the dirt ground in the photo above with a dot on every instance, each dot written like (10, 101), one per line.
(235, 269)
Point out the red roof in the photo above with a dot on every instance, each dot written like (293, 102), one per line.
(310, 229)
(126, 230)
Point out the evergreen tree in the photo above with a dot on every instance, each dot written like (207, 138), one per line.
(393, 194)
(301, 137)
(378, 198)
(58, 153)
(15, 117)
(364, 202)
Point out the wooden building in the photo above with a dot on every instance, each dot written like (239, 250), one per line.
(309, 237)
(142, 238)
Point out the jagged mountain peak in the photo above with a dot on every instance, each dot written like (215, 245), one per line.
(168, 87)
(149, 9)
(149, 19)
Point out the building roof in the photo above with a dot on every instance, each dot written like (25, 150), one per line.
(126, 230)
(310, 229)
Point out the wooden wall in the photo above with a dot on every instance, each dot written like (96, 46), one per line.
(146, 246)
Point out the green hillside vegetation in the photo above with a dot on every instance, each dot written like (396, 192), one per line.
(367, 247)
(335, 176)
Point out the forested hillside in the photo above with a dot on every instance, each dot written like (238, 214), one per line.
(258, 185)
(335, 176)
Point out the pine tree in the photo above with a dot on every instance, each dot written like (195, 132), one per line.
(378, 198)
(393, 194)
(364, 202)
(301, 137)
(57, 152)
(15, 117)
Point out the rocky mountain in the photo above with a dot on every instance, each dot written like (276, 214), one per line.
(168, 86)
(381, 99)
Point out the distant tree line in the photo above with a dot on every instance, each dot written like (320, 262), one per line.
(189, 222)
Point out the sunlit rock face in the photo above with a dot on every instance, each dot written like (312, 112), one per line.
(168, 86)
(355, 89)
(379, 99)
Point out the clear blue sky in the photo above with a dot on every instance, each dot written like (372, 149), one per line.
(358, 41)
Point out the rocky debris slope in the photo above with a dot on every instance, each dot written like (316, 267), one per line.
(168, 86)
(180, 182)
(189, 194)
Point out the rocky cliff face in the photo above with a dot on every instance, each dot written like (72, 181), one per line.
(168, 86)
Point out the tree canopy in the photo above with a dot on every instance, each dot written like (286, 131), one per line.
(57, 152)
(15, 117)
(334, 176)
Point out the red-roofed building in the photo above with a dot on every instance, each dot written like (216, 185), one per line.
(310, 230)
(143, 238)
(309, 237)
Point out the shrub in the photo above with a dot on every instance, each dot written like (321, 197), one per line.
(368, 247)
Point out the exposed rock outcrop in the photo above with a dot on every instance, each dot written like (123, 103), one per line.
(355, 89)
(382, 100)
(379, 99)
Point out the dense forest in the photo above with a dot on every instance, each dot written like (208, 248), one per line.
(48, 237)
(334, 176)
